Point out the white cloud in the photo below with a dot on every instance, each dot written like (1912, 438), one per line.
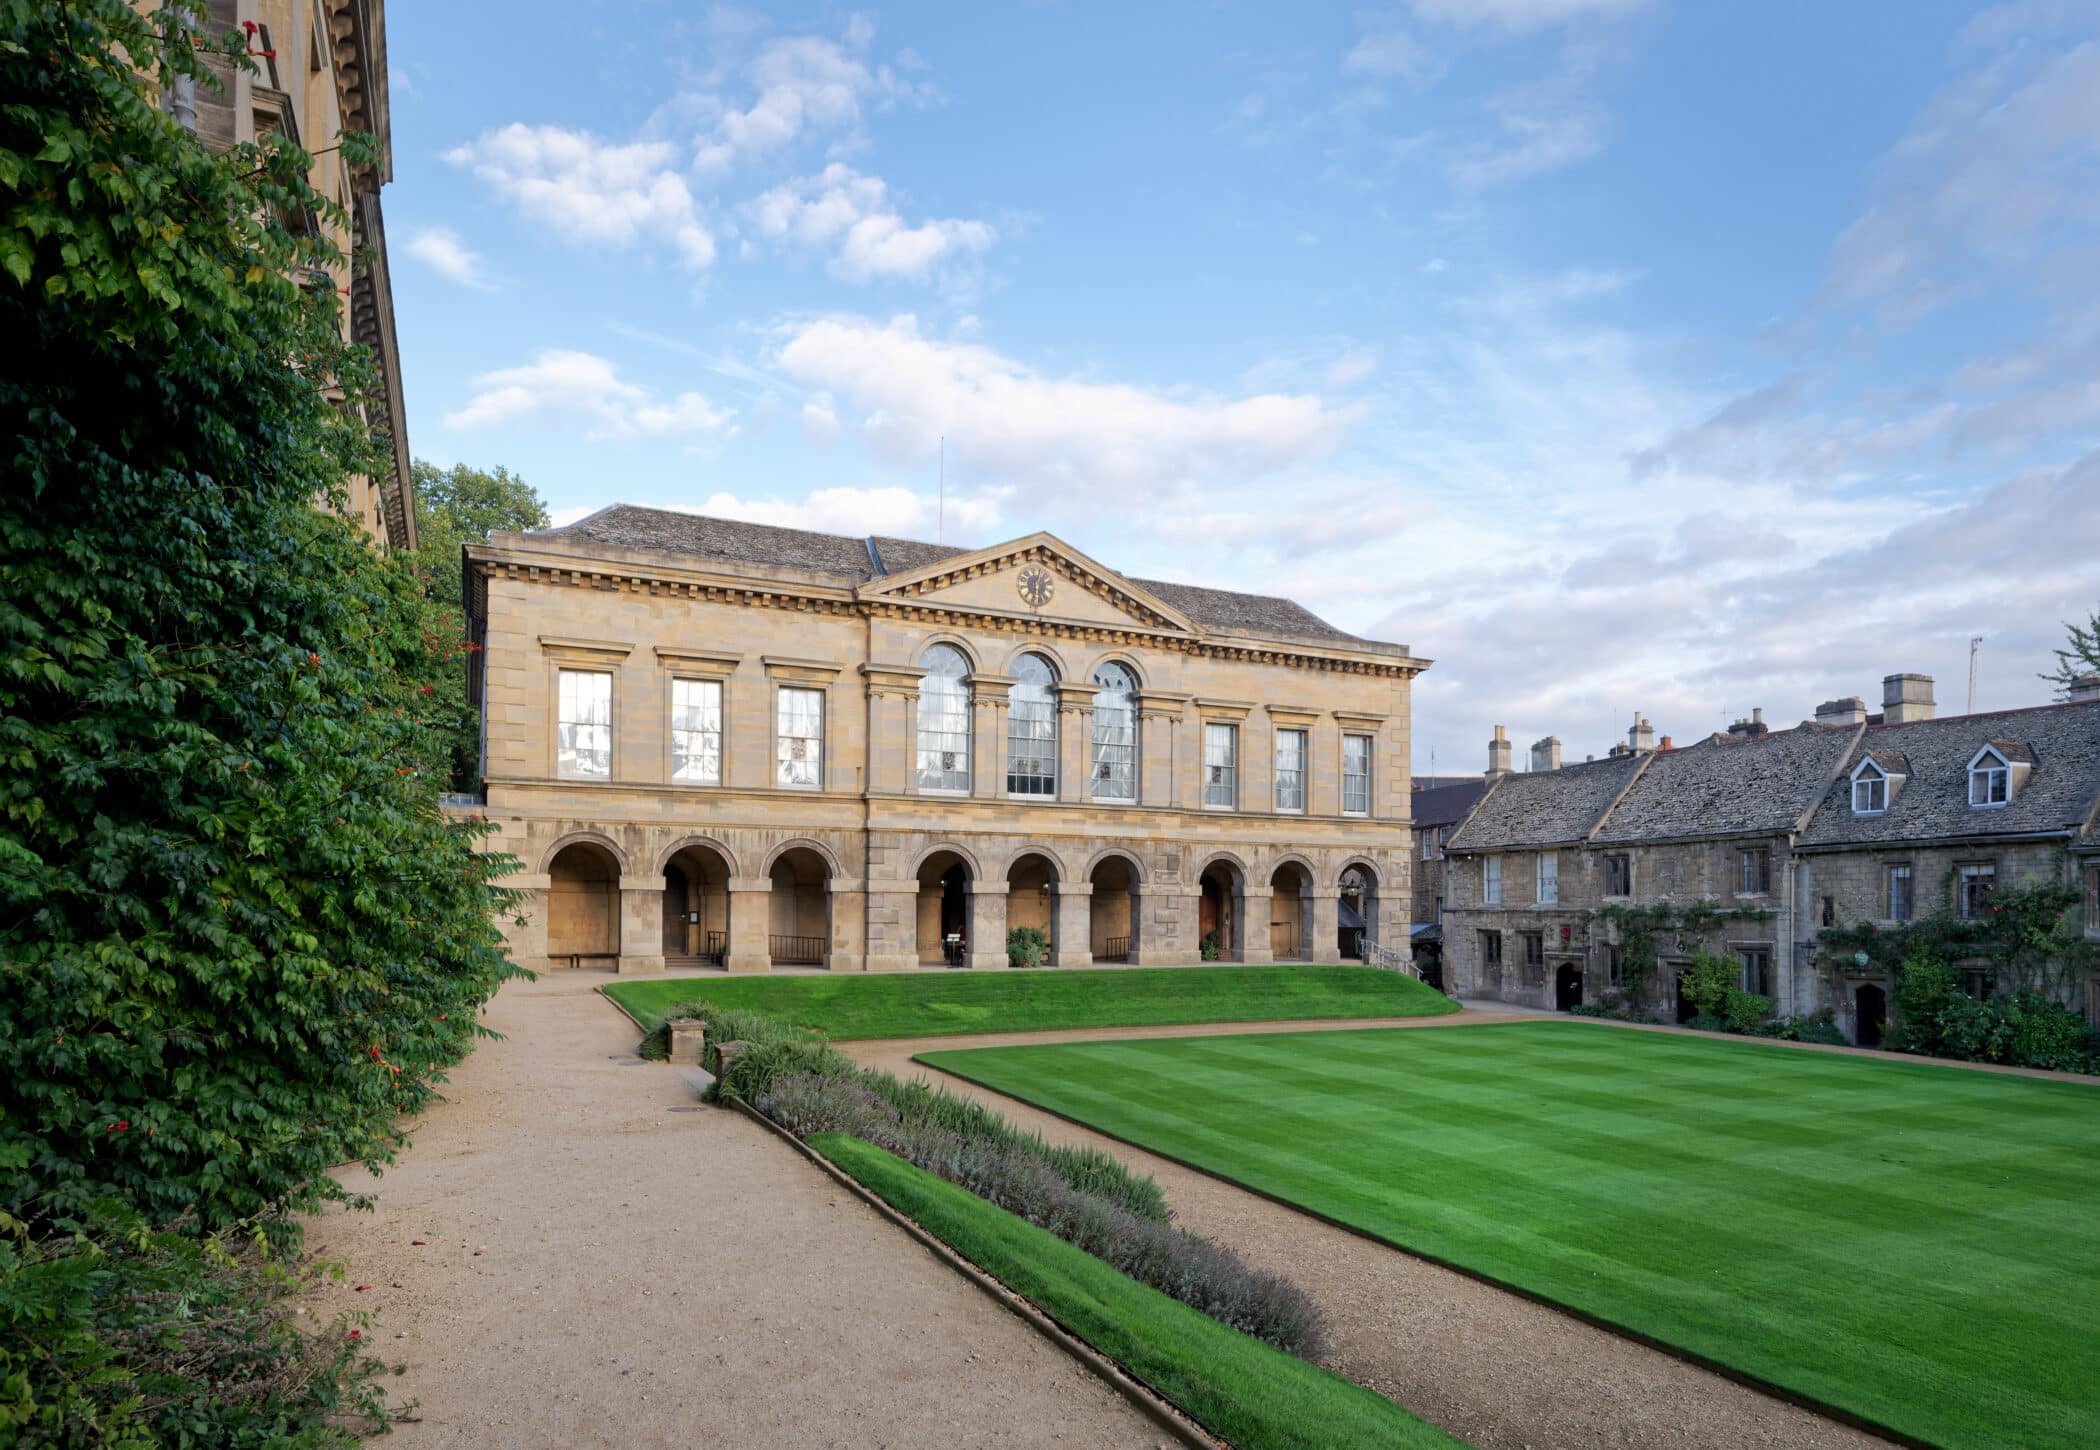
(1392, 53)
(1531, 143)
(1005, 421)
(560, 382)
(896, 512)
(804, 84)
(842, 209)
(1520, 15)
(1352, 366)
(820, 424)
(443, 250)
(591, 191)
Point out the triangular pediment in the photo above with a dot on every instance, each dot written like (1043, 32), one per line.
(1040, 576)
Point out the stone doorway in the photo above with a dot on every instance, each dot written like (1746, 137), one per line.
(1031, 889)
(583, 906)
(1112, 910)
(1356, 916)
(1290, 913)
(696, 907)
(798, 928)
(1870, 1015)
(1567, 987)
(1219, 910)
(944, 909)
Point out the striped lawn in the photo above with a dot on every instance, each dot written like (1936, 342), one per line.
(1916, 1245)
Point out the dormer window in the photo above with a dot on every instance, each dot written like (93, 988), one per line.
(1870, 789)
(1990, 779)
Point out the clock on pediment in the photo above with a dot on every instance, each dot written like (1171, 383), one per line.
(1035, 585)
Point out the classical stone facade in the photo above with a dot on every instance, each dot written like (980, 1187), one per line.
(706, 740)
(320, 69)
(1847, 818)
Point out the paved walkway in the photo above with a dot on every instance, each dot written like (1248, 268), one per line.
(566, 1259)
(1490, 1366)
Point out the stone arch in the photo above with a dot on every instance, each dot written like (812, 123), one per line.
(1293, 858)
(1034, 879)
(713, 843)
(800, 875)
(1115, 881)
(1047, 650)
(832, 867)
(1291, 885)
(944, 874)
(1059, 871)
(590, 834)
(1231, 859)
(1221, 906)
(953, 848)
(1354, 937)
(583, 900)
(1114, 657)
(972, 654)
(1135, 861)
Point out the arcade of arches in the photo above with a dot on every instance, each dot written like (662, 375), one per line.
(800, 905)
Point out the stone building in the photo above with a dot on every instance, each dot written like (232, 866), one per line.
(320, 68)
(708, 740)
(1846, 818)
(1437, 812)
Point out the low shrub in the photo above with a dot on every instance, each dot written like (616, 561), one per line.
(1027, 946)
(1744, 1011)
(752, 1071)
(1589, 1009)
(120, 1336)
(1707, 1022)
(1819, 1027)
(1209, 948)
(1708, 981)
(2048, 1035)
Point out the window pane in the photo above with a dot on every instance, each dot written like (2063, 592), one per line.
(1899, 893)
(1356, 775)
(1220, 765)
(801, 738)
(1491, 881)
(1114, 771)
(944, 720)
(696, 731)
(583, 727)
(1290, 770)
(1549, 878)
(1031, 729)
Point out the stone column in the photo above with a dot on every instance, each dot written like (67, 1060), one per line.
(987, 944)
(1075, 741)
(527, 940)
(1159, 748)
(847, 951)
(893, 926)
(1326, 928)
(1254, 926)
(641, 927)
(1074, 937)
(750, 923)
(988, 701)
(1163, 926)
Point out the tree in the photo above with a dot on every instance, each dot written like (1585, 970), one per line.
(454, 506)
(239, 942)
(2083, 656)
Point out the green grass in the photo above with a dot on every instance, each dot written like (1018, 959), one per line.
(937, 1003)
(1916, 1245)
(1254, 1396)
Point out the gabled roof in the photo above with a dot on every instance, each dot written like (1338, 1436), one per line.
(2062, 742)
(1445, 805)
(1892, 762)
(859, 560)
(1729, 785)
(1545, 807)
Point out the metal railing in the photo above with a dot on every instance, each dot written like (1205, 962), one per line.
(1117, 949)
(717, 948)
(796, 951)
(1386, 959)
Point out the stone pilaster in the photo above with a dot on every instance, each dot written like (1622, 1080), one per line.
(641, 928)
(1075, 741)
(1326, 928)
(988, 702)
(1073, 939)
(847, 949)
(750, 921)
(1254, 927)
(987, 943)
(892, 925)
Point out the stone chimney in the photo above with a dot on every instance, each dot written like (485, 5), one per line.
(1640, 737)
(1905, 698)
(1545, 755)
(1848, 710)
(1753, 727)
(1666, 745)
(2085, 688)
(1498, 753)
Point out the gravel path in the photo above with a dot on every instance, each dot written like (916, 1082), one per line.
(564, 1259)
(1487, 1365)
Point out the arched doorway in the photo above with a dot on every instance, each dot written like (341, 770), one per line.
(1685, 1010)
(1870, 1014)
(1218, 911)
(1290, 912)
(1031, 882)
(583, 906)
(1112, 909)
(1356, 919)
(944, 909)
(798, 931)
(1567, 987)
(696, 907)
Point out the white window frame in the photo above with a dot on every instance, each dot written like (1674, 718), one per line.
(1037, 742)
(1113, 736)
(1547, 876)
(1428, 843)
(1993, 780)
(1973, 871)
(1491, 881)
(577, 737)
(1221, 765)
(944, 718)
(1869, 784)
(1289, 786)
(813, 744)
(691, 745)
(1356, 784)
(1898, 871)
(1744, 856)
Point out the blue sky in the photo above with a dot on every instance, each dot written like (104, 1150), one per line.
(1617, 354)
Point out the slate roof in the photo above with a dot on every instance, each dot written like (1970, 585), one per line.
(860, 559)
(1445, 805)
(1544, 807)
(1728, 785)
(2063, 742)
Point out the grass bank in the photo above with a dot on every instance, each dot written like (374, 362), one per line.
(937, 1003)
(1915, 1245)
(1240, 1389)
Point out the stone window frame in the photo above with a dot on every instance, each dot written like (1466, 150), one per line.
(1491, 881)
(1545, 871)
(1618, 873)
(1491, 948)
(2092, 909)
(1430, 845)
(1907, 872)
(1287, 784)
(1964, 873)
(1290, 720)
(1996, 780)
(588, 657)
(1367, 775)
(1052, 705)
(1753, 871)
(1876, 783)
(817, 677)
(1614, 964)
(695, 665)
(1103, 751)
(1756, 975)
(920, 730)
(1226, 715)
(1534, 939)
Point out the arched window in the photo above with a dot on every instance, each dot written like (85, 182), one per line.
(1031, 729)
(944, 720)
(1115, 734)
